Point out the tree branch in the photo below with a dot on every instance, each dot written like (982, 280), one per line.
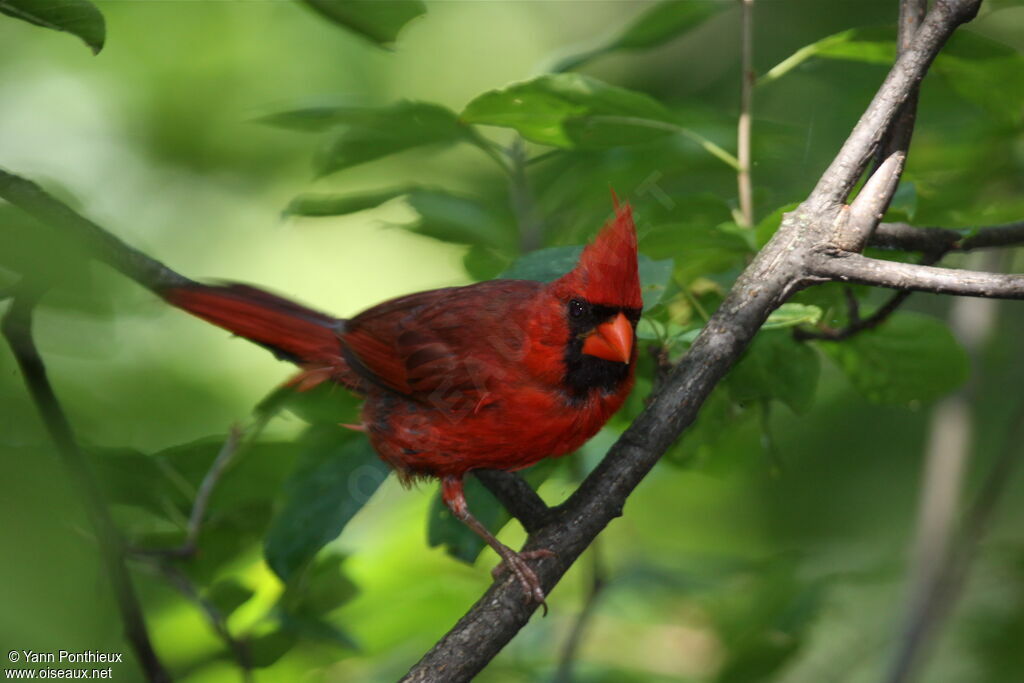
(213, 475)
(17, 328)
(96, 241)
(894, 275)
(910, 238)
(858, 324)
(521, 501)
(911, 66)
(793, 259)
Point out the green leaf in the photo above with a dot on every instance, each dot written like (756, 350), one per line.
(904, 203)
(337, 473)
(77, 17)
(376, 133)
(980, 70)
(318, 119)
(459, 541)
(463, 220)
(995, 84)
(872, 46)
(326, 403)
(484, 263)
(572, 111)
(776, 367)
(655, 26)
(379, 21)
(766, 227)
(545, 265)
(318, 205)
(702, 249)
(911, 357)
(228, 595)
(320, 589)
(266, 649)
(791, 315)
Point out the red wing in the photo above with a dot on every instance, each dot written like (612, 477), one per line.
(444, 346)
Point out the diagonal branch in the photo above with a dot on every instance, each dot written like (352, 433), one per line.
(791, 260)
(919, 278)
(773, 275)
(96, 241)
(17, 328)
(844, 171)
(521, 501)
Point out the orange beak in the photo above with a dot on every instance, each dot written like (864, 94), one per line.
(612, 340)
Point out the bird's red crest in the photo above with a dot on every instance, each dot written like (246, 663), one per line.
(607, 272)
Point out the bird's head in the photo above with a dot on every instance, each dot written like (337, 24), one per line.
(600, 303)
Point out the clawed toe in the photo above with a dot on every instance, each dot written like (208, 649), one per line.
(516, 564)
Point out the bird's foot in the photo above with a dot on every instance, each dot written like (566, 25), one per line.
(516, 564)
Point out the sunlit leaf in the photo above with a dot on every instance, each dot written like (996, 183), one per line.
(376, 133)
(872, 46)
(911, 357)
(791, 315)
(379, 21)
(314, 205)
(77, 17)
(655, 26)
(573, 111)
(337, 473)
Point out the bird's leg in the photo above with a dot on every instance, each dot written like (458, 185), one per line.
(455, 499)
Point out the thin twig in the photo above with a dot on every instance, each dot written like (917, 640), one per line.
(197, 516)
(17, 328)
(182, 583)
(910, 238)
(743, 127)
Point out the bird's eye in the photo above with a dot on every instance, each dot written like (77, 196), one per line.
(577, 308)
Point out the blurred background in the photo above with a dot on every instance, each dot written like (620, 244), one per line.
(773, 542)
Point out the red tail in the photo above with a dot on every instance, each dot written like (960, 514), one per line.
(293, 332)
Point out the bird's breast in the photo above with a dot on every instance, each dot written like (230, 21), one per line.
(508, 430)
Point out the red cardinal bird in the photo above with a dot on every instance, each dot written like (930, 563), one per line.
(495, 375)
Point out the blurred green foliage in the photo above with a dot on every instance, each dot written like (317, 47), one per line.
(770, 545)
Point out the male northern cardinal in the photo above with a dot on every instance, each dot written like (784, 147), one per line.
(496, 375)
